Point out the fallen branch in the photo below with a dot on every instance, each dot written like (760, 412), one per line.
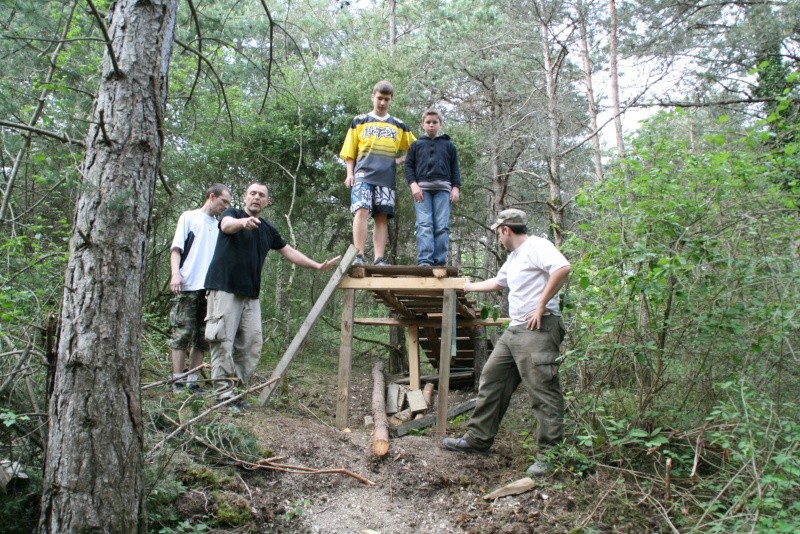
(214, 408)
(173, 379)
(272, 463)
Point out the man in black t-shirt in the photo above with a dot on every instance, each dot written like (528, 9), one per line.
(233, 324)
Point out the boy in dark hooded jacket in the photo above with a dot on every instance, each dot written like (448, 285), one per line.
(431, 169)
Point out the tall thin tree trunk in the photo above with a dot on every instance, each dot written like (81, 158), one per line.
(93, 472)
(583, 15)
(551, 68)
(393, 24)
(612, 11)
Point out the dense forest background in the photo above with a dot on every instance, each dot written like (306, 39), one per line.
(683, 229)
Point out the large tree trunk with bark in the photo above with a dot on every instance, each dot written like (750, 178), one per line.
(93, 474)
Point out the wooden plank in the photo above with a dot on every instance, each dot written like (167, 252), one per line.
(416, 402)
(392, 394)
(377, 284)
(345, 359)
(395, 304)
(311, 319)
(405, 270)
(429, 419)
(432, 338)
(431, 321)
(448, 327)
(460, 376)
(412, 344)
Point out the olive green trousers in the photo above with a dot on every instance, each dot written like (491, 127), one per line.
(530, 357)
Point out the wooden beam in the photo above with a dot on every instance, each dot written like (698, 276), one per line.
(448, 327)
(395, 304)
(431, 322)
(464, 310)
(412, 344)
(345, 359)
(311, 319)
(402, 283)
(428, 420)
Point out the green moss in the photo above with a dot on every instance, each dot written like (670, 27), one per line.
(200, 476)
(232, 510)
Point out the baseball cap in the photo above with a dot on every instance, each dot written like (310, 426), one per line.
(512, 217)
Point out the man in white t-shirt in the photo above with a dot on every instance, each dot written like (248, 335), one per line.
(190, 255)
(528, 352)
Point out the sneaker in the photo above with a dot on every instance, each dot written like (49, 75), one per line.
(461, 445)
(359, 261)
(538, 468)
(428, 265)
(194, 387)
(380, 261)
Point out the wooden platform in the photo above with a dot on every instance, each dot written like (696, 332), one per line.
(430, 303)
(423, 308)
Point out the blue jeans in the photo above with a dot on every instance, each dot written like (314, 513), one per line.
(433, 227)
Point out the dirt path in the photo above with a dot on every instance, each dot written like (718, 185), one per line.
(418, 487)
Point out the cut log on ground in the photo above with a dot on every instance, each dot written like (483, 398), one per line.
(380, 435)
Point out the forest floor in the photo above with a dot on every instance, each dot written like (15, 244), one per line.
(417, 486)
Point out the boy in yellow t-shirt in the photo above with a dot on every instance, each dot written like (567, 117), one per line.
(375, 144)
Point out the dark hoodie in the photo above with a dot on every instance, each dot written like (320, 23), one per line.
(433, 163)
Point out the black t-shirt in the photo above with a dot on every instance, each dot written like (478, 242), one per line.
(239, 258)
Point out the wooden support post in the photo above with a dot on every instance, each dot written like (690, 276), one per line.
(412, 343)
(448, 328)
(345, 359)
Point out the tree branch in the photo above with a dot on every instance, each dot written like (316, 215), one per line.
(64, 138)
(107, 37)
(214, 72)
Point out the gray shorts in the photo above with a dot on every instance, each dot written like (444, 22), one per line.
(375, 198)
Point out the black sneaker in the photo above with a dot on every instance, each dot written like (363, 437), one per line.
(461, 445)
(380, 261)
(359, 261)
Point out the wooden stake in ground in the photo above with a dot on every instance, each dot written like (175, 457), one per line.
(380, 434)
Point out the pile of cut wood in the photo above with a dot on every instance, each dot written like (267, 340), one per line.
(400, 409)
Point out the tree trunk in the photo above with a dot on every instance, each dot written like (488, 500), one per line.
(552, 65)
(93, 473)
(612, 12)
(587, 68)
